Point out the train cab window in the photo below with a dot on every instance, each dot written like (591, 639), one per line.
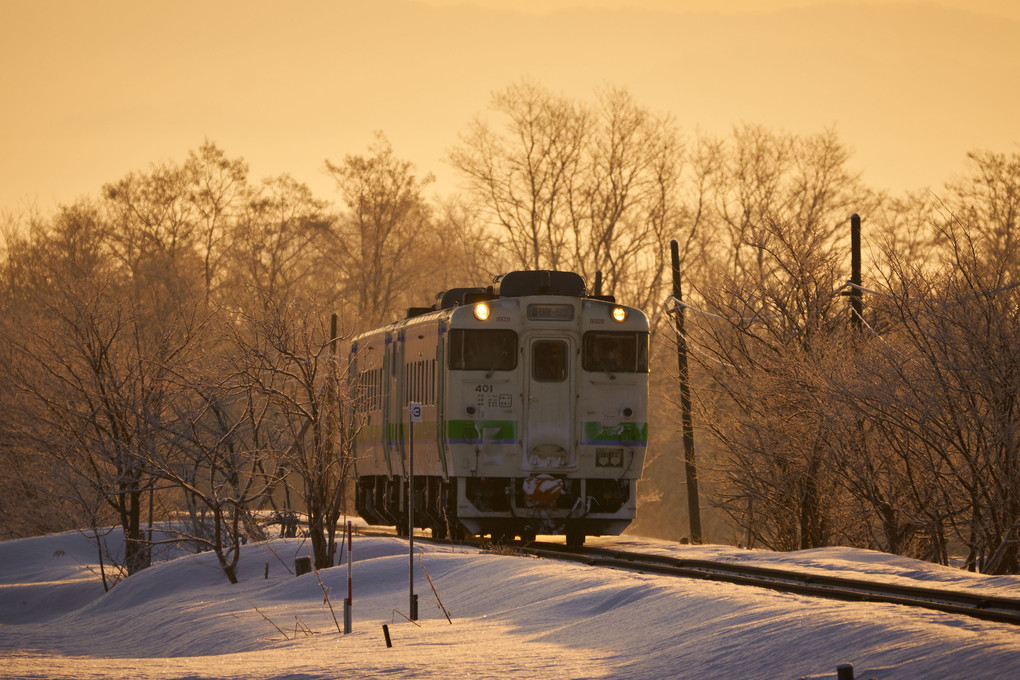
(615, 352)
(549, 361)
(482, 350)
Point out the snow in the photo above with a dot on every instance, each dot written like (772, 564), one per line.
(512, 616)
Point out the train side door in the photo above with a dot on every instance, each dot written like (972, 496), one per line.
(549, 401)
(396, 403)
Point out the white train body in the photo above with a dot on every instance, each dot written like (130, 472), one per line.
(534, 411)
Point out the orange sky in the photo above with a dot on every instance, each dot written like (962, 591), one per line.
(94, 90)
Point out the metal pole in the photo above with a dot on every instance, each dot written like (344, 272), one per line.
(856, 304)
(413, 614)
(349, 602)
(693, 505)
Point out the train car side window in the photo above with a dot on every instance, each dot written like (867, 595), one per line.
(482, 350)
(432, 381)
(549, 361)
(615, 352)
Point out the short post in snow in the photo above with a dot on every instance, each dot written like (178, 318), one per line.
(845, 672)
(414, 412)
(348, 603)
(302, 565)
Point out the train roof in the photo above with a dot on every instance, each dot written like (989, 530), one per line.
(513, 284)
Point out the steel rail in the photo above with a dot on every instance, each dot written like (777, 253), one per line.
(975, 605)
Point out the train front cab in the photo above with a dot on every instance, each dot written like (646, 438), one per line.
(546, 404)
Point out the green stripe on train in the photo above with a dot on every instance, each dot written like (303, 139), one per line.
(461, 431)
(624, 433)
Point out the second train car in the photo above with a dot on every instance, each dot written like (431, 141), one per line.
(534, 398)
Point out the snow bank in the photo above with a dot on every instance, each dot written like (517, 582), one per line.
(513, 616)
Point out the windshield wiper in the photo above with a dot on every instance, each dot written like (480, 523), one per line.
(607, 371)
(496, 365)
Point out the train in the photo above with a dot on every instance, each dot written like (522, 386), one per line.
(529, 398)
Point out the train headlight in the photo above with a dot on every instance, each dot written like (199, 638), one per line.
(619, 314)
(481, 311)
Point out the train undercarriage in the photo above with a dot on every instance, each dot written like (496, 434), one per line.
(502, 508)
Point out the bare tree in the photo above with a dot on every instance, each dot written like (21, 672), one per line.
(384, 237)
(95, 368)
(278, 244)
(214, 459)
(950, 410)
(586, 188)
(761, 351)
(288, 357)
(776, 202)
(624, 205)
(986, 206)
(218, 187)
(523, 177)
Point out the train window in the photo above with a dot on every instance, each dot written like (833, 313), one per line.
(377, 389)
(615, 352)
(421, 383)
(549, 361)
(369, 394)
(483, 350)
(417, 381)
(432, 381)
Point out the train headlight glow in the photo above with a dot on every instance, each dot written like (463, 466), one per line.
(481, 311)
(619, 314)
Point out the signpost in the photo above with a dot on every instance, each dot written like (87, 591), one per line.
(414, 412)
(349, 602)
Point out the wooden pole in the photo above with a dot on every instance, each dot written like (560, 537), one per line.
(332, 333)
(693, 505)
(856, 303)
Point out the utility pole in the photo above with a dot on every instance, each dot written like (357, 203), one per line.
(856, 303)
(332, 333)
(693, 505)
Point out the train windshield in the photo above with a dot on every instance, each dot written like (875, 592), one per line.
(549, 361)
(482, 350)
(615, 352)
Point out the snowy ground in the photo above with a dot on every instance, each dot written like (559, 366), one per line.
(513, 617)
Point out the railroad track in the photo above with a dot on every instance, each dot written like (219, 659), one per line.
(975, 605)
(989, 608)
